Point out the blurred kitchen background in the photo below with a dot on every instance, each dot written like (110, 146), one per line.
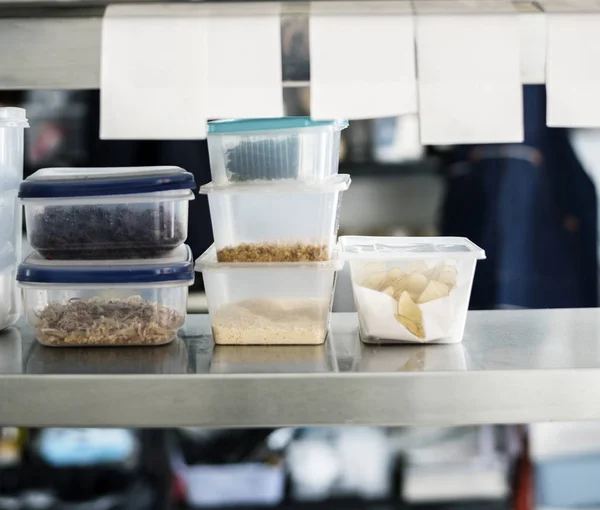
(547, 466)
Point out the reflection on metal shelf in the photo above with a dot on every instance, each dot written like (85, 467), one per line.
(519, 366)
(273, 359)
(172, 359)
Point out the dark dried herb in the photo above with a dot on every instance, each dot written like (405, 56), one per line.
(94, 232)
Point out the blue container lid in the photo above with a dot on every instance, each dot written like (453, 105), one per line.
(93, 182)
(276, 124)
(176, 267)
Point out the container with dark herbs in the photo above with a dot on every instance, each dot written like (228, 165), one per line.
(106, 213)
(106, 303)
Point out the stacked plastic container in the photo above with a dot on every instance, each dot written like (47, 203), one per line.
(274, 204)
(12, 125)
(110, 266)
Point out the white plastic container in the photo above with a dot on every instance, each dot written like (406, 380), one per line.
(10, 296)
(411, 289)
(106, 303)
(268, 303)
(12, 127)
(277, 222)
(266, 149)
(107, 213)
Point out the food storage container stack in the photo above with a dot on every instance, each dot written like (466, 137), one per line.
(411, 289)
(274, 203)
(12, 125)
(110, 266)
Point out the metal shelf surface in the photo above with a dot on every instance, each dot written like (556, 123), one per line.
(49, 44)
(514, 366)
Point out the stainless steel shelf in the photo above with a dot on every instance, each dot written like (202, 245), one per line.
(513, 367)
(57, 44)
(49, 44)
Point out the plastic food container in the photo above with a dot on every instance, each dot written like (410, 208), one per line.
(411, 289)
(278, 222)
(106, 303)
(12, 126)
(266, 149)
(268, 303)
(10, 299)
(10, 296)
(107, 213)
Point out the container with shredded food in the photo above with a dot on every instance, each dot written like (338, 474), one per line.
(268, 303)
(106, 303)
(411, 289)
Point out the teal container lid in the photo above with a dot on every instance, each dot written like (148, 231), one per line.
(275, 124)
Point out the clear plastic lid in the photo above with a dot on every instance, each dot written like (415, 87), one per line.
(82, 182)
(208, 261)
(365, 247)
(177, 266)
(340, 182)
(239, 126)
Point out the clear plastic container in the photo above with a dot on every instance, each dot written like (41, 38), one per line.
(278, 222)
(106, 303)
(411, 289)
(107, 213)
(266, 149)
(12, 127)
(10, 296)
(268, 303)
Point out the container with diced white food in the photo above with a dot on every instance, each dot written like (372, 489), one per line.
(411, 289)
